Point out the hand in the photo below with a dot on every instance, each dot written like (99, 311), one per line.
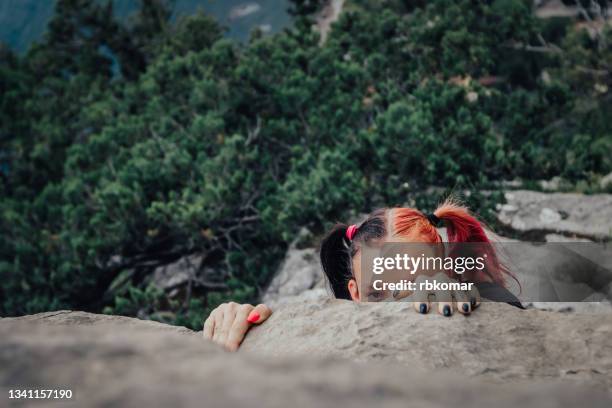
(228, 323)
(447, 301)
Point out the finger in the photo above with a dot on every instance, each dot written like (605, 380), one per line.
(229, 314)
(474, 297)
(217, 316)
(462, 302)
(259, 314)
(444, 298)
(422, 307)
(421, 297)
(239, 328)
(209, 327)
(421, 301)
(445, 308)
(211, 323)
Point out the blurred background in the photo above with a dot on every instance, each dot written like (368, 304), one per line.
(160, 157)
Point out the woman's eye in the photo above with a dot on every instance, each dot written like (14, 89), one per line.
(375, 296)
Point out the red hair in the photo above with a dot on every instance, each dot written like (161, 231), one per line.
(461, 227)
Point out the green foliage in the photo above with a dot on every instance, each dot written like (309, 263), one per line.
(132, 145)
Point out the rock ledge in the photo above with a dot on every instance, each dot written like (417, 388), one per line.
(514, 358)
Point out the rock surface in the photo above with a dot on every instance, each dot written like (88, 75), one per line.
(173, 275)
(299, 272)
(569, 214)
(606, 182)
(498, 342)
(118, 361)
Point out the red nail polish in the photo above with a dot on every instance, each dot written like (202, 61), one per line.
(253, 317)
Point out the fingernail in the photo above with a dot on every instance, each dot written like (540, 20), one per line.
(423, 308)
(473, 302)
(446, 311)
(466, 308)
(253, 317)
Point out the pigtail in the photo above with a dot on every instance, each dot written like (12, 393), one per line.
(336, 260)
(463, 227)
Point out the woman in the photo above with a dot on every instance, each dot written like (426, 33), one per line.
(228, 323)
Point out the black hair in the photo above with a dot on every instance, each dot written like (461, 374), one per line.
(337, 251)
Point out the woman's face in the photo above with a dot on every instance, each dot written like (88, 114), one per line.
(355, 284)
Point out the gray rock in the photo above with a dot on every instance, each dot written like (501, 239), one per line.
(554, 184)
(554, 8)
(601, 307)
(315, 295)
(512, 184)
(563, 238)
(549, 216)
(299, 272)
(606, 181)
(175, 274)
(587, 216)
(118, 361)
(498, 342)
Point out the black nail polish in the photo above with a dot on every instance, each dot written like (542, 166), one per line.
(473, 302)
(466, 308)
(423, 308)
(446, 311)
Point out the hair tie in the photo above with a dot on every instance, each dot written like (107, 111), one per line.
(350, 232)
(434, 220)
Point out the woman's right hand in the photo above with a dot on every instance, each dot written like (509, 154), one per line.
(229, 322)
(446, 301)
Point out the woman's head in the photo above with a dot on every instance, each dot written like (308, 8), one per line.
(343, 243)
